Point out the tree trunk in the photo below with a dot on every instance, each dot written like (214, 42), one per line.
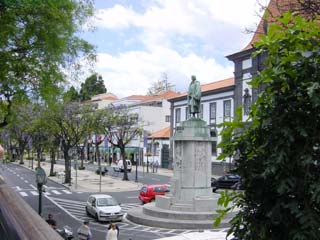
(67, 164)
(38, 156)
(52, 161)
(20, 153)
(125, 172)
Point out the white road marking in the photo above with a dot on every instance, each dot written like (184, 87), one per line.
(66, 191)
(23, 194)
(34, 193)
(56, 192)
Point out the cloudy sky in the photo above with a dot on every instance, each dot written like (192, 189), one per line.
(139, 40)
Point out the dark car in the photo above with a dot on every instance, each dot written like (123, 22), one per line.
(237, 186)
(226, 181)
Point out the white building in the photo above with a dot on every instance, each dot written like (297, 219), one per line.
(153, 114)
(217, 104)
(103, 100)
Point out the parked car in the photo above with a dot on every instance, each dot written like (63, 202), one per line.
(237, 186)
(148, 192)
(104, 208)
(121, 167)
(225, 181)
(104, 171)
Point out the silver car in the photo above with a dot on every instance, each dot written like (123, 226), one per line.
(104, 208)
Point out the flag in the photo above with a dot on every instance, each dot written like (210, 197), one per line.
(106, 142)
(145, 139)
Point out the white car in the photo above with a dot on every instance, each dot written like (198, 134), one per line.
(104, 208)
(120, 165)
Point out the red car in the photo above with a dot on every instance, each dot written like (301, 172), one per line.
(148, 192)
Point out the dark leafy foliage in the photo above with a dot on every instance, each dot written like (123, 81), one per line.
(279, 152)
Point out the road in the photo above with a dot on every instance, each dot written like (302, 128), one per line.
(68, 207)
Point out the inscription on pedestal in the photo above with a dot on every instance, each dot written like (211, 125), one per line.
(200, 156)
(178, 154)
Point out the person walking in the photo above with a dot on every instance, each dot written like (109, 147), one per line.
(51, 221)
(156, 165)
(84, 232)
(112, 233)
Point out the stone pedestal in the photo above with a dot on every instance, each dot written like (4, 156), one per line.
(191, 183)
(191, 203)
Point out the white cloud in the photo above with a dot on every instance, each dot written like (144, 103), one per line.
(133, 72)
(217, 24)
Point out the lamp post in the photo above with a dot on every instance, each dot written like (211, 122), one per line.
(41, 179)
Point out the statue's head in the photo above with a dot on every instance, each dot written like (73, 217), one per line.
(193, 78)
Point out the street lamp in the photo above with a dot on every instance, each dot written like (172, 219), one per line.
(41, 179)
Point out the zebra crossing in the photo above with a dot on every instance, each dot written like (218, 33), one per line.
(34, 192)
(76, 209)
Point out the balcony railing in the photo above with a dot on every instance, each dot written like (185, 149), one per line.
(19, 221)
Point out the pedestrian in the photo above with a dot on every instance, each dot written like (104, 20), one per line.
(116, 228)
(84, 232)
(51, 221)
(156, 165)
(112, 233)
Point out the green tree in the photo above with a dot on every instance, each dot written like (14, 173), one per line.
(68, 122)
(20, 128)
(93, 85)
(279, 151)
(71, 95)
(38, 44)
(121, 127)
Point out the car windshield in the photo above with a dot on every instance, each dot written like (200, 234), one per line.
(106, 202)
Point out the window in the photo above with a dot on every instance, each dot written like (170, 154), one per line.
(227, 110)
(168, 118)
(247, 63)
(214, 143)
(155, 149)
(201, 111)
(213, 113)
(178, 116)
(187, 113)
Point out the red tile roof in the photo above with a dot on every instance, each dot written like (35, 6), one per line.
(164, 95)
(137, 97)
(105, 98)
(163, 133)
(275, 9)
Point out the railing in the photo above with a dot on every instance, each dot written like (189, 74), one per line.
(18, 221)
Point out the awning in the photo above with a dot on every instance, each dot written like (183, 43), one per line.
(128, 150)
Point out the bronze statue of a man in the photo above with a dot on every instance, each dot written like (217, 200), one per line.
(194, 96)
